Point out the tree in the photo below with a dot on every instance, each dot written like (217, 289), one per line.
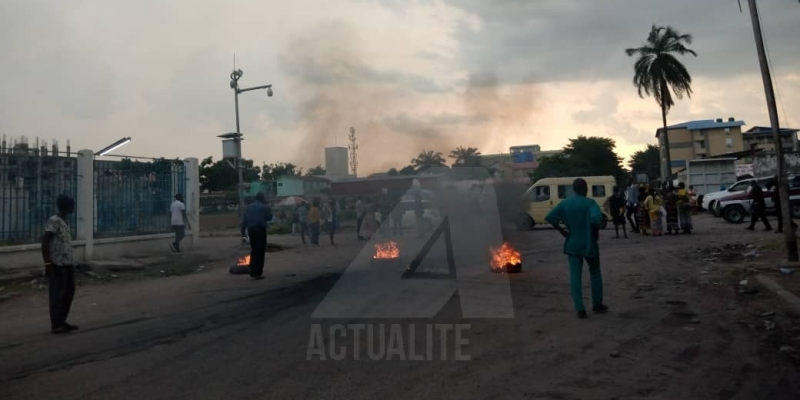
(646, 161)
(393, 172)
(271, 172)
(427, 160)
(466, 157)
(583, 156)
(656, 71)
(221, 175)
(408, 170)
(319, 170)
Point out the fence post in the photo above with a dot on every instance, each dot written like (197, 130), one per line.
(192, 171)
(85, 202)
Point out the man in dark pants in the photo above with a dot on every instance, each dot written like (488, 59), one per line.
(759, 207)
(256, 217)
(632, 205)
(58, 265)
(776, 200)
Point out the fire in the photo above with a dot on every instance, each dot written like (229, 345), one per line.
(244, 261)
(505, 255)
(386, 250)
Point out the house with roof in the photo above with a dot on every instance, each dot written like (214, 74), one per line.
(761, 137)
(295, 185)
(703, 139)
(518, 172)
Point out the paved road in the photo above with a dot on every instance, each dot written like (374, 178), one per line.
(211, 335)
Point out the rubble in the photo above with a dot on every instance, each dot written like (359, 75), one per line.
(646, 287)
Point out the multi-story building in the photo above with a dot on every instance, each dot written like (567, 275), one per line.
(761, 137)
(704, 138)
(527, 154)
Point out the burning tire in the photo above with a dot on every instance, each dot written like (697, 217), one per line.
(505, 260)
(242, 266)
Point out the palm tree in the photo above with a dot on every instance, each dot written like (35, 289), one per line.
(466, 157)
(427, 160)
(656, 71)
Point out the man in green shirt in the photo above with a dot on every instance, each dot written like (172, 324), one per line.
(582, 218)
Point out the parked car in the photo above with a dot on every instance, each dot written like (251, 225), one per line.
(710, 199)
(736, 208)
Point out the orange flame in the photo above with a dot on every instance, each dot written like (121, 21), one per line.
(504, 255)
(244, 261)
(386, 250)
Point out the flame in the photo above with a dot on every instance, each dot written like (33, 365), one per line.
(387, 250)
(504, 255)
(244, 261)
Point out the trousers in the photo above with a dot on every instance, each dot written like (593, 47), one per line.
(61, 287)
(258, 246)
(576, 280)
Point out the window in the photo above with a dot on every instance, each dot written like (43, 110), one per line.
(701, 144)
(541, 193)
(565, 191)
(729, 142)
(598, 191)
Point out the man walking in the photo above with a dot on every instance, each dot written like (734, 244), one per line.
(617, 211)
(58, 265)
(758, 207)
(582, 217)
(361, 210)
(632, 206)
(179, 222)
(255, 223)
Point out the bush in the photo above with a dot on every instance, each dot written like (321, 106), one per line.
(279, 229)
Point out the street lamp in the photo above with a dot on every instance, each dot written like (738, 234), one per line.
(237, 136)
(114, 146)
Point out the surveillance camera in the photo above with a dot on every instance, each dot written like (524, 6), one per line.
(233, 84)
(269, 91)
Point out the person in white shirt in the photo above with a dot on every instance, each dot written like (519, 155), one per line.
(179, 222)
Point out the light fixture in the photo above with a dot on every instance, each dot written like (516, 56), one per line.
(269, 91)
(114, 146)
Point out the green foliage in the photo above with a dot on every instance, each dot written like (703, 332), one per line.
(466, 157)
(393, 172)
(408, 170)
(646, 161)
(427, 160)
(220, 175)
(319, 170)
(583, 156)
(271, 172)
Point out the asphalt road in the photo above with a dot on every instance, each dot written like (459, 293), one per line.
(677, 329)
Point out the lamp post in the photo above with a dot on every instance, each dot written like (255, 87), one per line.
(237, 137)
(783, 183)
(113, 146)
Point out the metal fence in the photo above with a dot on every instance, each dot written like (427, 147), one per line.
(133, 197)
(30, 182)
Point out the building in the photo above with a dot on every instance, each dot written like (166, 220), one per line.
(701, 139)
(294, 185)
(336, 162)
(377, 186)
(761, 137)
(518, 172)
(519, 154)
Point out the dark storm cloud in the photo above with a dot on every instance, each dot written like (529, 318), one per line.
(558, 40)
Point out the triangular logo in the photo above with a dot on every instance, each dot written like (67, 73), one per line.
(412, 273)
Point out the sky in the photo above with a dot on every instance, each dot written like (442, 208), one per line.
(408, 75)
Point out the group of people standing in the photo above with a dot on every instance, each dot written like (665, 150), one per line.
(311, 219)
(647, 209)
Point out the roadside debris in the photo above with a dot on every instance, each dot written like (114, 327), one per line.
(786, 271)
(768, 325)
(614, 354)
(646, 288)
(767, 314)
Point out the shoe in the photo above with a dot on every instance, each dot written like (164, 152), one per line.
(257, 278)
(70, 327)
(582, 315)
(602, 308)
(767, 229)
(60, 330)
(750, 228)
(172, 247)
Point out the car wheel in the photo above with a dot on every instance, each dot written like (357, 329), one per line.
(524, 222)
(712, 208)
(734, 214)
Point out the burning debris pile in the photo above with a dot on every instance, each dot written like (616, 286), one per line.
(505, 260)
(242, 266)
(386, 253)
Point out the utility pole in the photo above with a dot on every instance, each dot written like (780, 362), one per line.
(783, 183)
(353, 151)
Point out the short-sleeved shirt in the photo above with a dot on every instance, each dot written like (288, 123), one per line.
(61, 245)
(176, 209)
(579, 214)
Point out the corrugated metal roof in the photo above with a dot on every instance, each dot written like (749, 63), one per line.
(766, 130)
(706, 124)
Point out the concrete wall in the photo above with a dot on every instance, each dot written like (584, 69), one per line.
(766, 164)
(336, 162)
(86, 247)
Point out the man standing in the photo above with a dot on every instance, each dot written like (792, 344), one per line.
(582, 217)
(302, 220)
(179, 222)
(314, 217)
(360, 211)
(633, 206)
(58, 265)
(617, 211)
(419, 212)
(758, 207)
(255, 222)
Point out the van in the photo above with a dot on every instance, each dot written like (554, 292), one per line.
(545, 194)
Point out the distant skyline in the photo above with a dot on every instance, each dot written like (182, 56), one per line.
(409, 75)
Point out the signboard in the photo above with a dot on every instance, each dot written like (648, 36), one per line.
(744, 169)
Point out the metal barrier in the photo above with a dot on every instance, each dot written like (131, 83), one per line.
(133, 198)
(30, 182)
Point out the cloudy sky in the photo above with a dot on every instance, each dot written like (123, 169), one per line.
(409, 75)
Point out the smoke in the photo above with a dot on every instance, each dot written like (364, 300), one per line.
(339, 86)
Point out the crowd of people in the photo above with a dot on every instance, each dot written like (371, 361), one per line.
(652, 210)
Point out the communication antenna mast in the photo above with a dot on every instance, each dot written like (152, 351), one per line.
(353, 147)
